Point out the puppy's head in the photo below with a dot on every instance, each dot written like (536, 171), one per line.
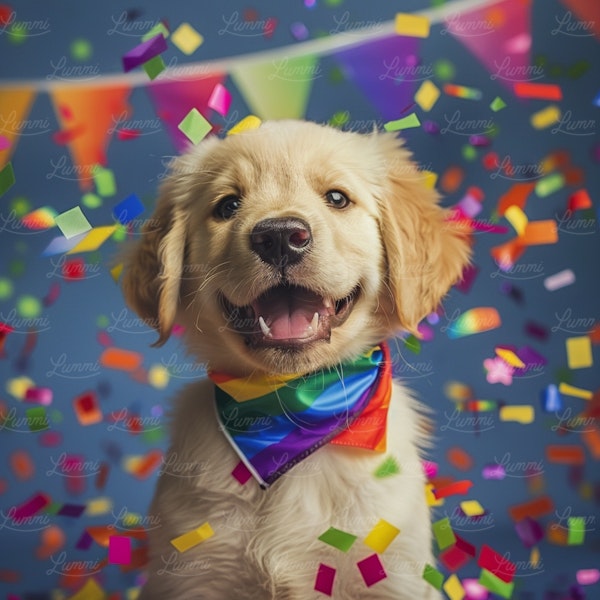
(291, 247)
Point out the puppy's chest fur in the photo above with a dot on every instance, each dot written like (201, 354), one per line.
(265, 542)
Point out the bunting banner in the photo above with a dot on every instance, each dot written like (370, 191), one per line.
(278, 89)
(15, 106)
(174, 99)
(387, 72)
(583, 21)
(87, 117)
(499, 36)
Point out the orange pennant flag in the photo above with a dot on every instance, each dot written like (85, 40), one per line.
(15, 104)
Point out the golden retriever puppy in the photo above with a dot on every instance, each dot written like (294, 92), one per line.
(289, 253)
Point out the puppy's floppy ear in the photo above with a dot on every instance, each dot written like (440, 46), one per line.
(153, 267)
(425, 252)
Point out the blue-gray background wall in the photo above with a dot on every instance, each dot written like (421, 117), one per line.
(61, 346)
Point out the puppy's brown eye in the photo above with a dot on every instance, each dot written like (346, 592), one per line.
(227, 207)
(336, 199)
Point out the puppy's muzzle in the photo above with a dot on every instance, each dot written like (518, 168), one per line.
(281, 242)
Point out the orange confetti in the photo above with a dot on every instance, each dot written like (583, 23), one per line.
(124, 360)
(458, 487)
(460, 459)
(22, 465)
(591, 438)
(565, 455)
(516, 196)
(594, 334)
(9, 576)
(53, 539)
(451, 179)
(87, 409)
(507, 254)
(533, 509)
(557, 535)
(540, 232)
(148, 464)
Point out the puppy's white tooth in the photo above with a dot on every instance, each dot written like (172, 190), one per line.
(264, 328)
(327, 302)
(314, 324)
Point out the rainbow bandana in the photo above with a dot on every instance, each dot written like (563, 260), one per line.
(275, 422)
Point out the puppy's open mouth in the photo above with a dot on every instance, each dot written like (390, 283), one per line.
(288, 316)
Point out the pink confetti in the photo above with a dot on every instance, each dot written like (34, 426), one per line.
(39, 395)
(371, 569)
(324, 580)
(496, 472)
(498, 371)
(430, 469)
(559, 280)
(220, 99)
(4, 142)
(241, 473)
(587, 576)
(474, 590)
(30, 507)
(119, 550)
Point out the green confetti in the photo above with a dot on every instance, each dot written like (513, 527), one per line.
(90, 200)
(387, 468)
(17, 34)
(549, 184)
(497, 104)
(21, 206)
(7, 178)
(154, 435)
(154, 67)
(444, 536)
(81, 50)
(158, 28)
(576, 535)
(36, 418)
(6, 288)
(413, 344)
(432, 576)
(194, 126)
(444, 70)
(105, 181)
(339, 119)
(29, 307)
(495, 585)
(469, 152)
(338, 539)
(72, 222)
(405, 123)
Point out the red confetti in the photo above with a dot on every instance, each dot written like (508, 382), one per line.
(565, 455)
(128, 134)
(270, 26)
(495, 563)
(454, 558)
(458, 487)
(540, 91)
(533, 509)
(73, 269)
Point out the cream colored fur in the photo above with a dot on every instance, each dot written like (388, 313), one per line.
(392, 242)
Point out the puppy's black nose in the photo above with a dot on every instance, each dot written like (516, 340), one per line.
(281, 242)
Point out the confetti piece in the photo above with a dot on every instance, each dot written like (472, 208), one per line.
(524, 414)
(186, 38)
(405, 123)
(22, 465)
(144, 52)
(545, 117)
(517, 218)
(71, 510)
(472, 508)
(411, 25)
(430, 496)
(579, 200)
(432, 576)
(495, 563)
(324, 580)
(534, 508)
(460, 459)
(148, 464)
(458, 487)
(7, 178)
(387, 468)
(381, 536)
(530, 532)
(587, 576)
(193, 538)
(30, 507)
(591, 438)
(241, 473)
(579, 352)
(509, 356)
(90, 590)
(540, 232)
(98, 506)
(87, 410)
(104, 180)
(220, 99)
(461, 91)
(72, 222)
(496, 585)
(497, 104)
(299, 31)
(565, 455)
(550, 399)
(427, 95)
(158, 28)
(451, 179)
(539, 91)
(37, 419)
(549, 184)
(246, 124)
(154, 67)
(124, 360)
(119, 550)
(52, 540)
(576, 535)
(128, 209)
(371, 569)
(559, 280)
(571, 390)
(442, 531)
(453, 588)
(475, 320)
(90, 243)
(338, 539)
(454, 558)
(430, 469)
(39, 395)
(194, 126)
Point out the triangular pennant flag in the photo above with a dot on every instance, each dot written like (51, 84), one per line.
(499, 36)
(387, 72)
(15, 105)
(87, 118)
(588, 14)
(278, 89)
(173, 100)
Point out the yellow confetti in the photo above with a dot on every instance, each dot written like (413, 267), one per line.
(98, 506)
(546, 117)
(186, 38)
(381, 536)
(523, 414)
(534, 557)
(453, 588)
(571, 390)
(430, 179)
(89, 591)
(158, 376)
(18, 386)
(94, 239)
(430, 497)
(579, 352)
(517, 218)
(509, 357)
(116, 271)
(193, 538)
(247, 123)
(411, 25)
(427, 95)
(472, 508)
